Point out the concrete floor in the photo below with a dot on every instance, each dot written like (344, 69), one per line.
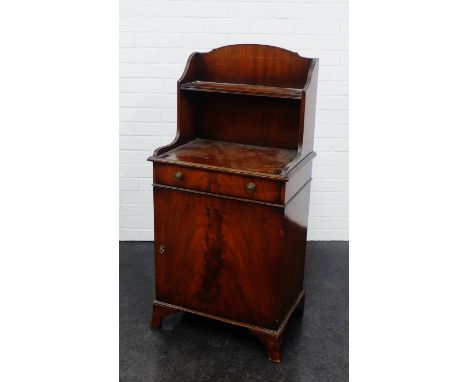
(190, 348)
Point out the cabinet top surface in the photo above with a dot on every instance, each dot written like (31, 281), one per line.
(230, 157)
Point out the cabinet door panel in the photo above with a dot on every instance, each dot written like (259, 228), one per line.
(220, 256)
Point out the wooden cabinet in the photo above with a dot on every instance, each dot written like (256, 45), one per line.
(231, 192)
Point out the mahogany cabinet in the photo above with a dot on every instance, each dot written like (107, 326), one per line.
(231, 192)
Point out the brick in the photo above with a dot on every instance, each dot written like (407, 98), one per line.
(344, 58)
(331, 159)
(137, 222)
(339, 42)
(147, 128)
(128, 234)
(327, 57)
(331, 131)
(329, 172)
(329, 116)
(128, 184)
(140, 197)
(139, 143)
(227, 25)
(141, 85)
(145, 234)
(329, 198)
(136, 70)
(312, 11)
(139, 55)
(204, 41)
(136, 209)
(145, 184)
(332, 103)
(329, 185)
(140, 114)
(128, 100)
(328, 223)
(134, 157)
(332, 87)
(138, 24)
(158, 40)
(127, 40)
(327, 234)
(169, 115)
(318, 27)
(139, 170)
(174, 55)
(330, 144)
(334, 73)
(160, 8)
(181, 25)
(272, 26)
(328, 210)
(162, 101)
(127, 8)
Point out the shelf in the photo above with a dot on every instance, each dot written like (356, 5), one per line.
(233, 88)
(231, 157)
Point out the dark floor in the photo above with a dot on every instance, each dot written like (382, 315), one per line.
(190, 348)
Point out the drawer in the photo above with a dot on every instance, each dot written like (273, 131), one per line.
(219, 183)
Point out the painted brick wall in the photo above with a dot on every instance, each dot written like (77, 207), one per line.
(156, 38)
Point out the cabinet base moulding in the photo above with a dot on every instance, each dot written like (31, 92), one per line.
(271, 339)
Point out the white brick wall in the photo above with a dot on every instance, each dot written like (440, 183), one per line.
(156, 38)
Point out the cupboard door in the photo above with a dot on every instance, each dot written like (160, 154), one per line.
(218, 256)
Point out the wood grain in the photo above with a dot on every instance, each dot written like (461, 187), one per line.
(221, 256)
(253, 64)
(218, 183)
(229, 156)
(255, 90)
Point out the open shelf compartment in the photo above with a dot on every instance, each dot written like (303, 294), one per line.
(254, 95)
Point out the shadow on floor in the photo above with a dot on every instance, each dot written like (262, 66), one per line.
(191, 348)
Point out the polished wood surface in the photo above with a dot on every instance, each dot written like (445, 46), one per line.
(308, 110)
(228, 156)
(251, 64)
(231, 192)
(219, 183)
(229, 252)
(232, 88)
(295, 219)
(259, 121)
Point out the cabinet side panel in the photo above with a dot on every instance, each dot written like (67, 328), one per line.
(310, 105)
(298, 179)
(294, 248)
(221, 256)
(185, 123)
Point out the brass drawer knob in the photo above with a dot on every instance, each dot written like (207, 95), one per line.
(178, 175)
(250, 187)
(162, 249)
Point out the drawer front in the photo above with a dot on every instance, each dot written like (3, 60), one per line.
(219, 183)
